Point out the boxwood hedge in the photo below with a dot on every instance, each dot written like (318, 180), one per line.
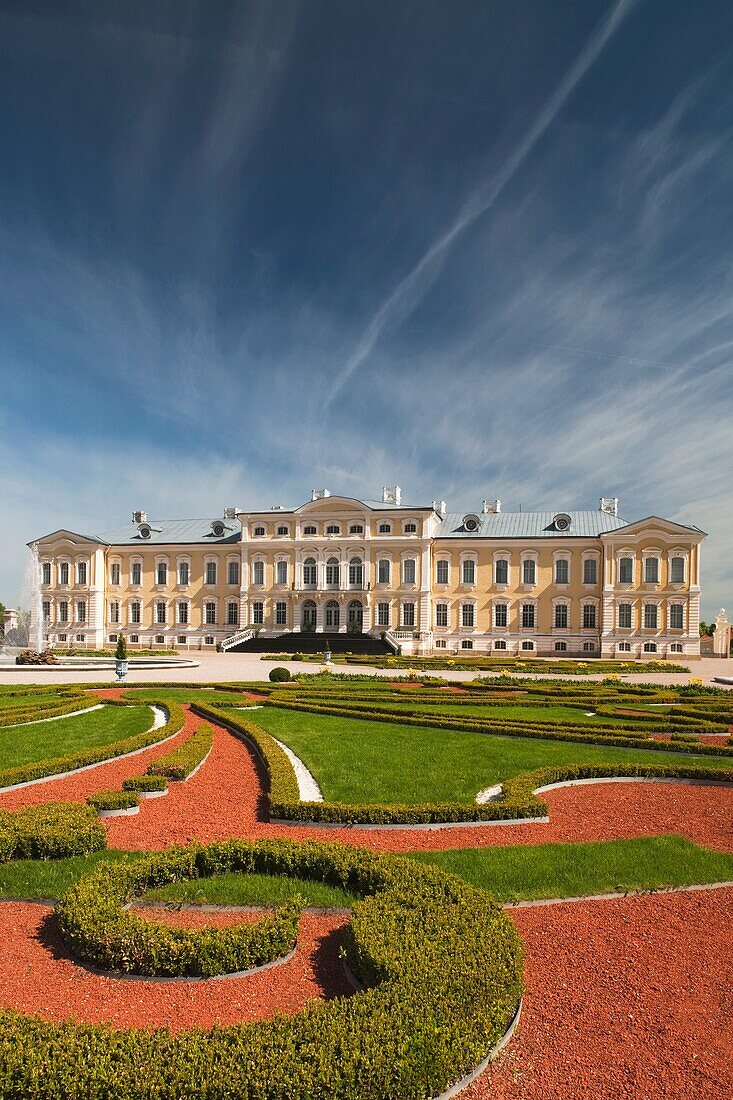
(53, 830)
(441, 966)
(179, 763)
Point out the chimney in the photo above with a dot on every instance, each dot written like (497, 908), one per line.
(139, 517)
(320, 494)
(391, 494)
(609, 505)
(439, 507)
(230, 513)
(491, 507)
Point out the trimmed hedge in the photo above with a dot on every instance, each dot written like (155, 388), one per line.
(440, 961)
(53, 830)
(179, 763)
(113, 800)
(41, 769)
(97, 929)
(22, 715)
(145, 783)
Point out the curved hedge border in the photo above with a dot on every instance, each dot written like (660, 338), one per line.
(25, 715)
(517, 801)
(99, 930)
(183, 761)
(53, 830)
(43, 769)
(112, 801)
(440, 961)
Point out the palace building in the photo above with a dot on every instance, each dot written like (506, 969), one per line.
(549, 584)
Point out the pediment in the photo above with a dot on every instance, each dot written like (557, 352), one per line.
(64, 537)
(655, 525)
(328, 505)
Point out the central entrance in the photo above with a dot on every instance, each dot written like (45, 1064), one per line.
(356, 617)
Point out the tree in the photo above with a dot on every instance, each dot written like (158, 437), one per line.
(121, 651)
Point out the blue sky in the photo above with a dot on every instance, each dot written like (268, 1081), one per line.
(480, 249)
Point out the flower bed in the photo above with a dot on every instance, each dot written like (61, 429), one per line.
(441, 967)
(53, 830)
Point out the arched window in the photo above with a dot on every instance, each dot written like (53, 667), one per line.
(356, 572)
(356, 529)
(308, 616)
(333, 572)
(385, 528)
(333, 615)
(309, 571)
(311, 529)
(356, 616)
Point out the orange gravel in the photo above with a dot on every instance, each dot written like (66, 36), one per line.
(38, 976)
(626, 1000)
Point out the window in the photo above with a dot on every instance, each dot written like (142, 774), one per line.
(651, 570)
(675, 648)
(181, 639)
(500, 644)
(46, 610)
(259, 532)
(232, 613)
(561, 616)
(441, 614)
(258, 572)
(114, 611)
(333, 529)
(468, 571)
(410, 528)
(160, 612)
(281, 613)
(333, 572)
(135, 612)
(356, 572)
(651, 616)
(624, 647)
(282, 530)
(626, 570)
(134, 638)
(309, 571)
(528, 615)
(442, 571)
(80, 638)
(383, 570)
(561, 647)
(209, 639)
(408, 571)
(677, 616)
(210, 573)
(64, 572)
(467, 643)
(501, 571)
(311, 529)
(233, 572)
(136, 573)
(81, 572)
(562, 571)
(528, 647)
(184, 573)
(589, 616)
(408, 614)
(590, 571)
(182, 611)
(258, 613)
(589, 647)
(501, 614)
(281, 572)
(114, 573)
(529, 571)
(81, 611)
(46, 571)
(468, 614)
(161, 573)
(440, 643)
(356, 529)
(383, 614)
(159, 639)
(385, 528)
(624, 616)
(113, 637)
(333, 615)
(677, 571)
(650, 647)
(64, 611)
(210, 613)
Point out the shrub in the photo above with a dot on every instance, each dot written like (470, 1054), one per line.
(145, 783)
(53, 708)
(179, 763)
(113, 800)
(441, 966)
(53, 830)
(279, 675)
(121, 650)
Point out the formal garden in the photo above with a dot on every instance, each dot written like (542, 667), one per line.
(354, 887)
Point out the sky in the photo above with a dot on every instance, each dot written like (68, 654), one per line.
(479, 249)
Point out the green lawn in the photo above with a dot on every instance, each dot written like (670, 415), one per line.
(510, 874)
(202, 695)
(35, 699)
(530, 713)
(47, 740)
(355, 760)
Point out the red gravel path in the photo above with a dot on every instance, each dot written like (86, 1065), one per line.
(224, 799)
(625, 999)
(38, 976)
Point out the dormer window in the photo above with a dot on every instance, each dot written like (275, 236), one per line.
(217, 528)
(562, 522)
(259, 532)
(471, 524)
(144, 530)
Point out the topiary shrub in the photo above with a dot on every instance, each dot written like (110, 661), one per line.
(279, 675)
